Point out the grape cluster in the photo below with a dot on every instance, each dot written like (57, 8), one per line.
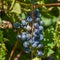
(32, 36)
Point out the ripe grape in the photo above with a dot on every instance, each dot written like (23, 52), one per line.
(24, 33)
(18, 37)
(34, 45)
(31, 41)
(36, 31)
(39, 53)
(41, 23)
(23, 22)
(29, 19)
(40, 46)
(36, 25)
(27, 50)
(37, 19)
(41, 37)
(25, 44)
(16, 25)
(40, 28)
(28, 36)
(23, 37)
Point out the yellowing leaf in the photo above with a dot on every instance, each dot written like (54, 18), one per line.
(36, 58)
(16, 8)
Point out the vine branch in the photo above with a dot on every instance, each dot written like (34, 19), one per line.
(12, 52)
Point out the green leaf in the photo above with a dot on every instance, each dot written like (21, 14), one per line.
(47, 21)
(16, 8)
(51, 45)
(36, 58)
(22, 16)
(50, 51)
(54, 19)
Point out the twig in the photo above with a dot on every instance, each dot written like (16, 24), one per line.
(52, 4)
(18, 55)
(12, 52)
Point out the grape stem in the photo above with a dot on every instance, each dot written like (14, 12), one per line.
(31, 55)
(12, 52)
(32, 8)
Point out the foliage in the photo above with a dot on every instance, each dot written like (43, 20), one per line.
(16, 11)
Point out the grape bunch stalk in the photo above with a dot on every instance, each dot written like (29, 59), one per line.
(31, 39)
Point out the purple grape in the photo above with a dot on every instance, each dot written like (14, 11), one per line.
(24, 33)
(31, 41)
(16, 25)
(27, 50)
(24, 37)
(39, 53)
(41, 23)
(34, 45)
(25, 44)
(36, 25)
(38, 15)
(41, 37)
(23, 22)
(29, 19)
(34, 34)
(37, 42)
(40, 46)
(37, 19)
(18, 37)
(40, 28)
(36, 11)
(36, 31)
(28, 36)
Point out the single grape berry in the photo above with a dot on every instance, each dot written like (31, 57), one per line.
(41, 23)
(29, 19)
(40, 28)
(16, 25)
(23, 22)
(39, 53)
(36, 31)
(36, 41)
(28, 36)
(24, 33)
(18, 37)
(37, 19)
(31, 41)
(40, 46)
(27, 50)
(34, 45)
(36, 25)
(23, 37)
(25, 44)
(36, 11)
(41, 37)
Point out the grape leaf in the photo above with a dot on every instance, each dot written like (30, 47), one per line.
(22, 16)
(51, 45)
(50, 51)
(16, 8)
(36, 58)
